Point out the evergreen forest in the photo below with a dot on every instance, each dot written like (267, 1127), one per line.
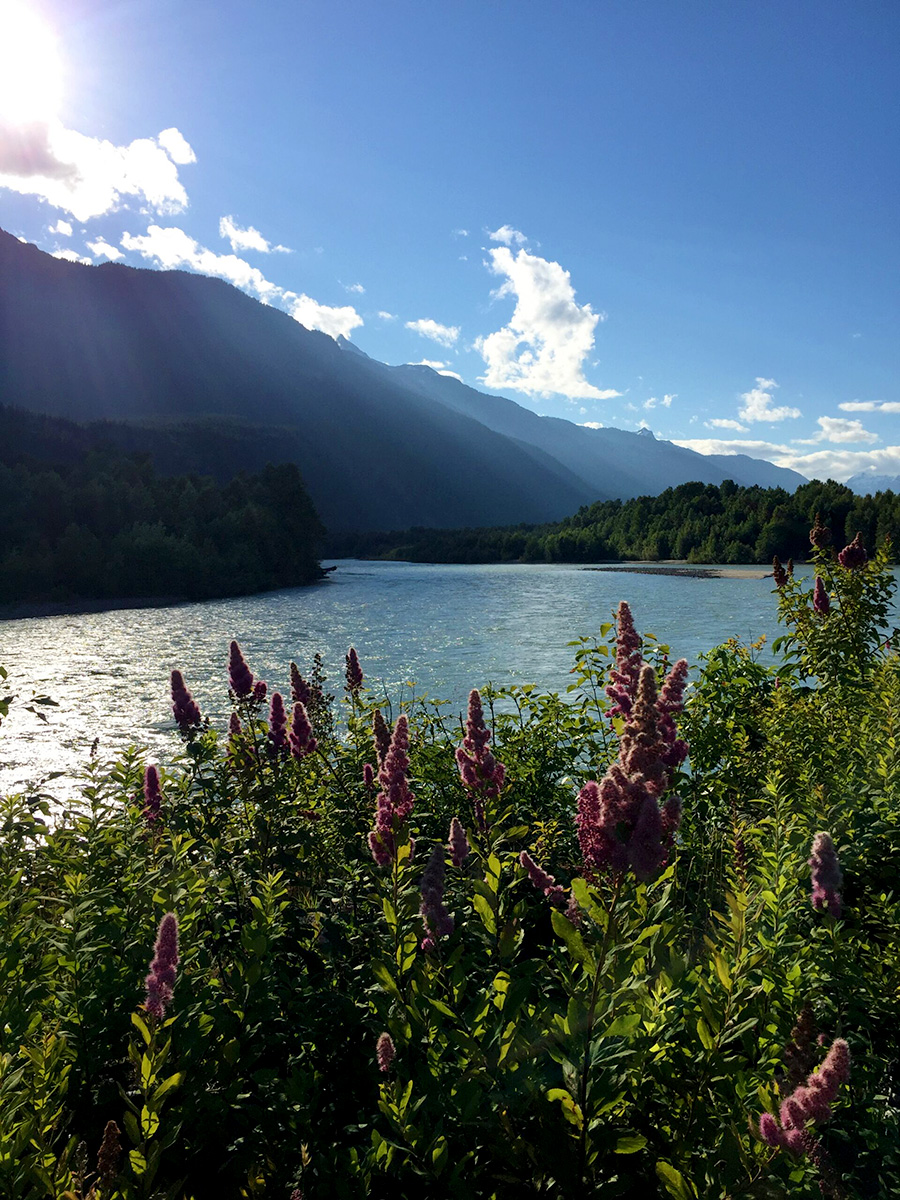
(702, 523)
(106, 525)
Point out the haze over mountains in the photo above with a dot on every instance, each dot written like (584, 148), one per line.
(209, 380)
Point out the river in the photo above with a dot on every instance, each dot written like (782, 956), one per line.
(442, 629)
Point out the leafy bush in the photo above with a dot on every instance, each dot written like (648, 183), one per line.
(498, 961)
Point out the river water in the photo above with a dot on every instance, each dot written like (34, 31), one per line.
(443, 629)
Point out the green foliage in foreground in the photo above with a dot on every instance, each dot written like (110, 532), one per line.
(627, 1051)
(698, 522)
(108, 526)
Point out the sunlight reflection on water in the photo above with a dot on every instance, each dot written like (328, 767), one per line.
(448, 628)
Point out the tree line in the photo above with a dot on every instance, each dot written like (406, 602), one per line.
(695, 521)
(107, 525)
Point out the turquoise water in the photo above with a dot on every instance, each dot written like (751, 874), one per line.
(447, 628)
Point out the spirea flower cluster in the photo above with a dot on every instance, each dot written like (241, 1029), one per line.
(395, 800)
(481, 773)
(161, 979)
(809, 1104)
(623, 822)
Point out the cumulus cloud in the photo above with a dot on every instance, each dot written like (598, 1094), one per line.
(873, 406)
(102, 249)
(88, 176)
(63, 228)
(338, 321)
(72, 256)
(838, 429)
(666, 401)
(460, 232)
(176, 146)
(172, 247)
(757, 404)
(354, 287)
(725, 423)
(247, 239)
(508, 236)
(542, 350)
(386, 316)
(591, 424)
(819, 464)
(445, 335)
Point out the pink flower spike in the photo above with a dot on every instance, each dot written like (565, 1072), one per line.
(385, 1052)
(161, 979)
(240, 677)
(827, 879)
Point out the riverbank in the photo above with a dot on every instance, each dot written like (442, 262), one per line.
(687, 572)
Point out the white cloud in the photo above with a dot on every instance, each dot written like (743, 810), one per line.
(172, 247)
(508, 236)
(460, 232)
(882, 406)
(354, 287)
(591, 424)
(247, 239)
(440, 367)
(88, 176)
(445, 335)
(102, 249)
(725, 423)
(838, 429)
(63, 228)
(819, 464)
(338, 320)
(386, 316)
(757, 404)
(543, 348)
(176, 146)
(666, 401)
(71, 256)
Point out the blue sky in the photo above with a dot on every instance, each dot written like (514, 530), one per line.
(679, 214)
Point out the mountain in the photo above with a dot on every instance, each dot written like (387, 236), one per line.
(615, 462)
(207, 379)
(867, 483)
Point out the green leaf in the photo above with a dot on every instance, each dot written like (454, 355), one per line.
(385, 978)
(138, 1162)
(168, 1085)
(623, 1026)
(703, 1033)
(141, 1025)
(674, 1182)
(722, 971)
(573, 939)
(630, 1144)
(582, 892)
(484, 910)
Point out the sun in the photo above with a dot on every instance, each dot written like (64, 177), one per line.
(30, 69)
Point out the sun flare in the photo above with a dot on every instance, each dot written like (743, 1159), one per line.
(30, 69)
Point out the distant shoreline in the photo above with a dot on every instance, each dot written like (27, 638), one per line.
(688, 572)
(27, 610)
(74, 608)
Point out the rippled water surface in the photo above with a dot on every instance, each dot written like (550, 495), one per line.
(448, 628)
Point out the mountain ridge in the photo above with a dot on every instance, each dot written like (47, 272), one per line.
(378, 446)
